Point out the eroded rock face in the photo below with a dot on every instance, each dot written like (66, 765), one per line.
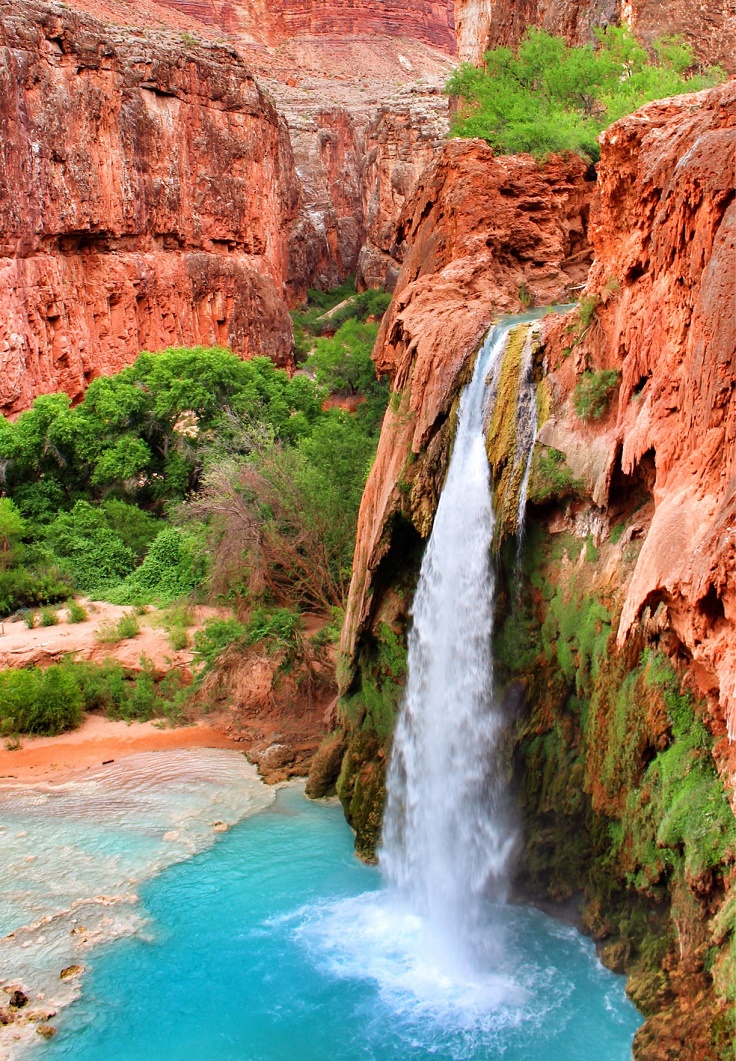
(710, 27)
(274, 21)
(147, 198)
(664, 279)
(403, 139)
(480, 231)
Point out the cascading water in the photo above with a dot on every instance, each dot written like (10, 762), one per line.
(448, 836)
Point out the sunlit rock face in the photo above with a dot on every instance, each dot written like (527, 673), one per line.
(274, 21)
(664, 280)
(148, 198)
(710, 27)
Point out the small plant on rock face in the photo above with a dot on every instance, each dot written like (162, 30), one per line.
(525, 296)
(593, 394)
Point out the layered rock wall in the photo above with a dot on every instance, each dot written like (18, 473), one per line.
(147, 198)
(710, 27)
(274, 21)
(664, 289)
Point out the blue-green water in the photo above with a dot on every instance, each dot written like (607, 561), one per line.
(276, 944)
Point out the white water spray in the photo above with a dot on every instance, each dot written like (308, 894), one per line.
(448, 837)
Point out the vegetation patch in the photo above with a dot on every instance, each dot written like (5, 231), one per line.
(548, 97)
(593, 393)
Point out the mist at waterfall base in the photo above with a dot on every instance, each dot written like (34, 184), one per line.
(276, 944)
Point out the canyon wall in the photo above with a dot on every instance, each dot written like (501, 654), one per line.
(664, 289)
(148, 198)
(710, 27)
(275, 21)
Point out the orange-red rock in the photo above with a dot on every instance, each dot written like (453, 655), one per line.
(477, 229)
(664, 235)
(709, 26)
(147, 197)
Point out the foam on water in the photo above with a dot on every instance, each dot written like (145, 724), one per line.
(73, 854)
(275, 943)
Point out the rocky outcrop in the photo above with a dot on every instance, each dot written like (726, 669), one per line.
(148, 198)
(710, 27)
(663, 293)
(400, 142)
(484, 235)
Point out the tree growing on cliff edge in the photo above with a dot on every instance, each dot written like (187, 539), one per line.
(549, 97)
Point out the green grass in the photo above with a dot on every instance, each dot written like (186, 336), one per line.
(126, 627)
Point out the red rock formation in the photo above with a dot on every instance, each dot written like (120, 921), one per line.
(709, 26)
(477, 229)
(400, 143)
(664, 277)
(147, 198)
(274, 21)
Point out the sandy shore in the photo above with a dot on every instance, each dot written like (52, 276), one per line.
(99, 740)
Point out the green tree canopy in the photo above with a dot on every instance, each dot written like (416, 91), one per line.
(550, 97)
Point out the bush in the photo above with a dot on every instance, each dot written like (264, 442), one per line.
(21, 587)
(217, 635)
(44, 702)
(76, 613)
(126, 627)
(550, 97)
(274, 629)
(96, 557)
(593, 394)
(551, 478)
(49, 617)
(168, 572)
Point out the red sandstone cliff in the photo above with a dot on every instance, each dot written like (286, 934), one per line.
(147, 198)
(478, 229)
(664, 277)
(709, 26)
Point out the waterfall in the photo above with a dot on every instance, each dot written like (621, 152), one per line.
(448, 836)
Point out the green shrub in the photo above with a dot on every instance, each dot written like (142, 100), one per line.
(96, 557)
(275, 630)
(49, 617)
(29, 618)
(135, 528)
(38, 701)
(76, 612)
(178, 638)
(127, 626)
(549, 97)
(168, 572)
(21, 587)
(593, 393)
(551, 478)
(217, 635)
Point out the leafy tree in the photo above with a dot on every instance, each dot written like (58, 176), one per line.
(12, 529)
(343, 363)
(550, 97)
